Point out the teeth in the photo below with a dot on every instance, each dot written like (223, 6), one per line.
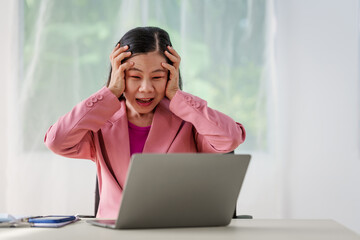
(145, 100)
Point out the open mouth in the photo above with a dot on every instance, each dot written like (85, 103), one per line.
(144, 101)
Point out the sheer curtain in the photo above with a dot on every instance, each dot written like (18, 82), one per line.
(63, 58)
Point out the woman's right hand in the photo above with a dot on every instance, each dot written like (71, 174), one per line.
(117, 81)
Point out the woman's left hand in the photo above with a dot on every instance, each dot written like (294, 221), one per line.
(173, 82)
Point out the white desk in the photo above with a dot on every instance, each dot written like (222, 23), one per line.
(238, 229)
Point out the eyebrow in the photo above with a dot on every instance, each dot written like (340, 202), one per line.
(139, 70)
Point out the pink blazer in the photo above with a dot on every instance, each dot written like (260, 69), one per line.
(97, 129)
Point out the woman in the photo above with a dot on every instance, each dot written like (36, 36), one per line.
(142, 109)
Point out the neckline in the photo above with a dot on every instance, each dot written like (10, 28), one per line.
(133, 126)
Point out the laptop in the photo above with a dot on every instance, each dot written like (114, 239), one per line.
(179, 190)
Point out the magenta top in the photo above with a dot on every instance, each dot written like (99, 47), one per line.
(137, 137)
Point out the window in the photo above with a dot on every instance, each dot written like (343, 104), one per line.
(66, 45)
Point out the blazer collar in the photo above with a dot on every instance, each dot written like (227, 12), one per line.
(164, 127)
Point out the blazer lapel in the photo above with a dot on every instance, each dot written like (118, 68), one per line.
(116, 137)
(164, 128)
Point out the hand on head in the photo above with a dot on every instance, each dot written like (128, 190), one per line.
(173, 82)
(117, 82)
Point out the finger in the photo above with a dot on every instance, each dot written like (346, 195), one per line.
(121, 57)
(171, 68)
(173, 51)
(168, 66)
(119, 74)
(126, 66)
(117, 61)
(118, 50)
(172, 58)
(116, 47)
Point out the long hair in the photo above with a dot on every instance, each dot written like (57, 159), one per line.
(144, 40)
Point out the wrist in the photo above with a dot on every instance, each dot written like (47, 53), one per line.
(115, 91)
(171, 95)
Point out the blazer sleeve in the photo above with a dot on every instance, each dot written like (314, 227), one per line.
(214, 131)
(73, 134)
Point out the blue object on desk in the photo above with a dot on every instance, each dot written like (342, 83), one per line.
(52, 219)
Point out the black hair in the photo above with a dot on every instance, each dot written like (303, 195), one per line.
(145, 40)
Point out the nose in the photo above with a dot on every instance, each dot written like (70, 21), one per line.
(146, 86)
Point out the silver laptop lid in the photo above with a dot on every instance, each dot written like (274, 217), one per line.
(181, 190)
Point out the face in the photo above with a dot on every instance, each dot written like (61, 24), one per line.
(145, 83)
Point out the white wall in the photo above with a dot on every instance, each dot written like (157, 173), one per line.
(317, 52)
